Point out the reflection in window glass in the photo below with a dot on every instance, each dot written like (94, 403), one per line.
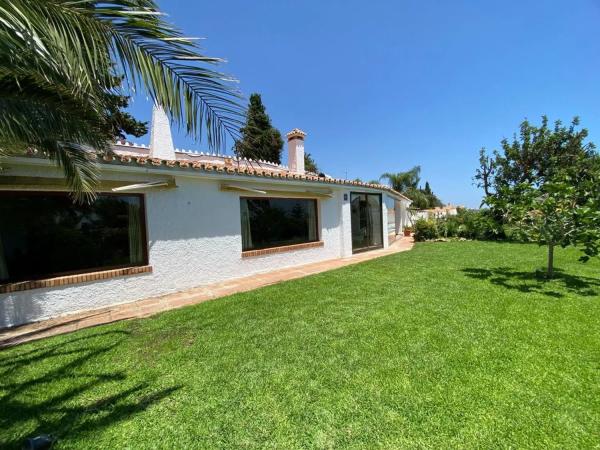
(273, 222)
(45, 234)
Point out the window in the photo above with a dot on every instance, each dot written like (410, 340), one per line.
(44, 234)
(273, 222)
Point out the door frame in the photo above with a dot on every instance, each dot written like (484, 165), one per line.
(366, 249)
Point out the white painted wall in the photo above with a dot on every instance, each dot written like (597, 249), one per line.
(384, 220)
(346, 225)
(194, 240)
(403, 215)
(390, 204)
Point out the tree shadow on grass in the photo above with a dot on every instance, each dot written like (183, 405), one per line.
(78, 407)
(536, 282)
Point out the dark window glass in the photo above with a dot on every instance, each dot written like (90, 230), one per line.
(45, 234)
(272, 222)
(367, 228)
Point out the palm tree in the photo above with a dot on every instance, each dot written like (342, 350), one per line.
(57, 62)
(402, 181)
(407, 183)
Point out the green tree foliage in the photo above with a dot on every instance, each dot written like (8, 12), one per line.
(466, 224)
(310, 164)
(118, 121)
(418, 198)
(403, 181)
(432, 200)
(259, 139)
(425, 230)
(56, 79)
(545, 183)
(407, 183)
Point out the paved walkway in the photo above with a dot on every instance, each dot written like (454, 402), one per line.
(154, 305)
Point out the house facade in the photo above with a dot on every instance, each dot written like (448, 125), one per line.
(167, 220)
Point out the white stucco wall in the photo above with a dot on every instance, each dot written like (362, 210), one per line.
(194, 239)
(390, 204)
(384, 220)
(402, 215)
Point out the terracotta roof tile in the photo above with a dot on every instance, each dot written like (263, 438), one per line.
(127, 153)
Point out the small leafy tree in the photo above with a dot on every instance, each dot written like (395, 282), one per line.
(545, 183)
(259, 139)
(543, 214)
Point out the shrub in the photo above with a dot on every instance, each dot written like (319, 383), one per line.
(487, 228)
(467, 224)
(425, 230)
(449, 226)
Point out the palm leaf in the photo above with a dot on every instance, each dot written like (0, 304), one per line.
(60, 128)
(59, 53)
(151, 53)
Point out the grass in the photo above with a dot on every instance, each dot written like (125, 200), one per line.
(449, 345)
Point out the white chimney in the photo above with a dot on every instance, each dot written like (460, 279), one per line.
(296, 150)
(161, 141)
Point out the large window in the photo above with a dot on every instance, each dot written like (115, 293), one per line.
(46, 234)
(273, 222)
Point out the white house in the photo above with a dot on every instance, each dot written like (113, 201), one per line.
(438, 212)
(167, 220)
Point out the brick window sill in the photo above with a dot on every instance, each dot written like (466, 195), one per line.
(73, 279)
(282, 249)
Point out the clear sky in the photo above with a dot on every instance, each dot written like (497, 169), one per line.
(385, 85)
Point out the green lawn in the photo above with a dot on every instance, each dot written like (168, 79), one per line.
(448, 345)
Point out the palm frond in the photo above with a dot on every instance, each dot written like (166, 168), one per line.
(150, 52)
(55, 62)
(61, 128)
(81, 171)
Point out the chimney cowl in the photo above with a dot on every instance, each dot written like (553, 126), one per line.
(296, 133)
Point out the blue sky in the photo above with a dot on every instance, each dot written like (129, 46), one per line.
(385, 85)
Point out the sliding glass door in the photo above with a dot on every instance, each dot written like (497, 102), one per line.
(367, 229)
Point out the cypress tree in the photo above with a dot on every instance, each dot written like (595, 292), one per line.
(427, 189)
(259, 139)
(310, 165)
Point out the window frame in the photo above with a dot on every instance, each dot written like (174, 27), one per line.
(317, 221)
(144, 235)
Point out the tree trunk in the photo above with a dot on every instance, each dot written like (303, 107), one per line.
(550, 272)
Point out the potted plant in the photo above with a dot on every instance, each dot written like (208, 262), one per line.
(408, 231)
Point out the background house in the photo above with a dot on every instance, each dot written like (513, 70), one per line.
(435, 213)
